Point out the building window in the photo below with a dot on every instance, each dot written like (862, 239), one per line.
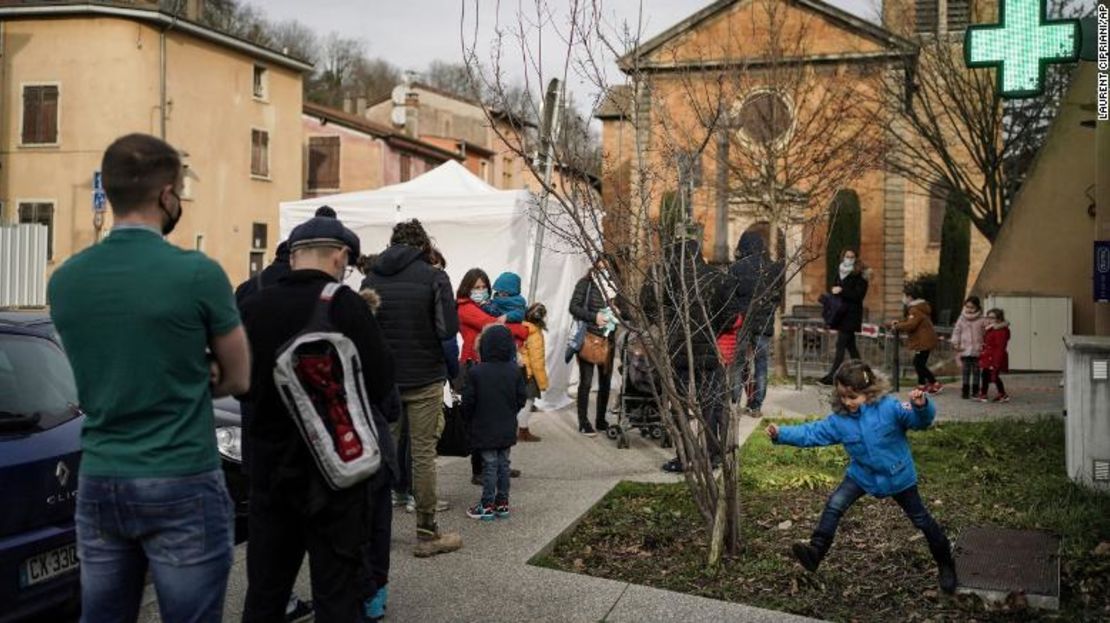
(323, 163)
(257, 261)
(764, 117)
(507, 165)
(40, 115)
(959, 15)
(258, 235)
(200, 242)
(937, 205)
(41, 213)
(260, 153)
(260, 84)
(406, 167)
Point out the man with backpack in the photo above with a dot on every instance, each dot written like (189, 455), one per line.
(298, 504)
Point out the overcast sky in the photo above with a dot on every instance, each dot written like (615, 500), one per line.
(412, 33)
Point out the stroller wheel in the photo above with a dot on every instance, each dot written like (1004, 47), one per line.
(613, 432)
(657, 433)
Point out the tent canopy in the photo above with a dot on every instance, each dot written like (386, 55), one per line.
(474, 225)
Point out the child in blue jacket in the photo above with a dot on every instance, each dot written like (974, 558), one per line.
(507, 300)
(872, 427)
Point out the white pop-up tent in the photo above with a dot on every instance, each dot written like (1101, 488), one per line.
(474, 225)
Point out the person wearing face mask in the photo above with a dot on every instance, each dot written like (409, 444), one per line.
(851, 286)
(136, 314)
(472, 299)
(293, 511)
(595, 303)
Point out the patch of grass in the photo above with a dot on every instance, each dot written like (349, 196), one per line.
(1008, 474)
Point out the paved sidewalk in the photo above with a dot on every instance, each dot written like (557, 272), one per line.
(1031, 395)
(490, 580)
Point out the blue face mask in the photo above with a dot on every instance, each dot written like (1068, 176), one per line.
(479, 296)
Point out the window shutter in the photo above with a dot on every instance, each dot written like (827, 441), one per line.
(959, 15)
(30, 114)
(49, 115)
(925, 16)
(323, 162)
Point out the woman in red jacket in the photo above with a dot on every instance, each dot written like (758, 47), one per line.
(993, 358)
(470, 299)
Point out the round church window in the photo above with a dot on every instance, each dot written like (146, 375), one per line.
(764, 117)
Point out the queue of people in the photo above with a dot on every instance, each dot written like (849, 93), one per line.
(151, 494)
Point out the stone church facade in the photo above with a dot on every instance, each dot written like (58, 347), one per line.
(645, 121)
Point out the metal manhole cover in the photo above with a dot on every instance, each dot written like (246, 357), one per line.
(994, 562)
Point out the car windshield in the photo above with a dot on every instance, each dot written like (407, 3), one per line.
(37, 389)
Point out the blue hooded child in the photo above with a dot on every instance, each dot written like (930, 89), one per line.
(507, 300)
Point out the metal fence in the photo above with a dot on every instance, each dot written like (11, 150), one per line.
(810, 349)
(23, 265)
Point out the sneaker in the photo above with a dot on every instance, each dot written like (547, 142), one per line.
(483, 512)
(1002, 398)
(476, 480)
(602, 426)
(514, 473)
(501, 510)
(587, 430)
(935, 388)
(442, 506)
(981, 398)
(947, 578)
(402, 499)
(808, 555)
(373, 609)
(298, 610)
(755, 412)
(673, 466)
(410, 505)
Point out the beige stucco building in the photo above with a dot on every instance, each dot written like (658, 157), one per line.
(75, 77)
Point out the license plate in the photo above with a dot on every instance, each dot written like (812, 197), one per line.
(48, 565)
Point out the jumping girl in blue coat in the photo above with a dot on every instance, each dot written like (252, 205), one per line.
(872, 427)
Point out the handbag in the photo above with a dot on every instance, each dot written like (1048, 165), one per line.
(595, 350)
(455, 440)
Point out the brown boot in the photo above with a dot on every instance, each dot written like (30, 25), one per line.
(523, 434)
(430, 541)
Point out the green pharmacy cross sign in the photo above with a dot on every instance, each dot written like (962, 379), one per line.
(1021, 45)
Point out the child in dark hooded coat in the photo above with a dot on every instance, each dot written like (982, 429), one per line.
(507, 300)
(492, 396)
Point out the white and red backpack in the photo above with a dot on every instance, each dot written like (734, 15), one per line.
(320, 378)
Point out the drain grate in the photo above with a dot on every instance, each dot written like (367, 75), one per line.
(994, 562)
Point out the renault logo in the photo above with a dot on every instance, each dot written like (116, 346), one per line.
(62, 473)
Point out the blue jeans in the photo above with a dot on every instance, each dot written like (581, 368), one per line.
(495, 476)
(742, 378)
(910, 501)
(182, 528)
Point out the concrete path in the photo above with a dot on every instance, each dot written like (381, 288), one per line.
(490, 580)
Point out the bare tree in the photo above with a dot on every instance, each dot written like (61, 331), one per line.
(339, 59)
(295, 39)
(951, 130)
(374, 78)
(786, 171)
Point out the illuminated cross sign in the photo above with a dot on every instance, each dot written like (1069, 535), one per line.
(1021, 44)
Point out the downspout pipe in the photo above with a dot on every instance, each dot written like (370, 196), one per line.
(162, 113)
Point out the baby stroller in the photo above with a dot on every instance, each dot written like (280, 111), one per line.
(638, 409)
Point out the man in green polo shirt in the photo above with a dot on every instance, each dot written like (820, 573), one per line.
(136, 315)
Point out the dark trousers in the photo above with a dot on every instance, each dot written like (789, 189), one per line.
(991, 375)
(845, 341)
(402, 483)
(585, 382)
(910, 501)
(335, 540)
(710, 387)
(970, 373)
(921, 365)
(381, 532)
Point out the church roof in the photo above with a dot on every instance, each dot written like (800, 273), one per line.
(897, 45)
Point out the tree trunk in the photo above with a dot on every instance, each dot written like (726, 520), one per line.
(777, 342)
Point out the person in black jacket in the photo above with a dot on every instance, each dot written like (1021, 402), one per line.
(418, 317)
(759, 286)
(593, 294)
(492, 396)
(292, 509)
(851, 287)
(698, 303)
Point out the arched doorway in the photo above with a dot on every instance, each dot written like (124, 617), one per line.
(844, 231)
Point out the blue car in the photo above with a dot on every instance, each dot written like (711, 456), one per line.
(40, 452)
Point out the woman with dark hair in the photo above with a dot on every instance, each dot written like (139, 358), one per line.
(594, 294)
(851, 287)
(473, 293)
